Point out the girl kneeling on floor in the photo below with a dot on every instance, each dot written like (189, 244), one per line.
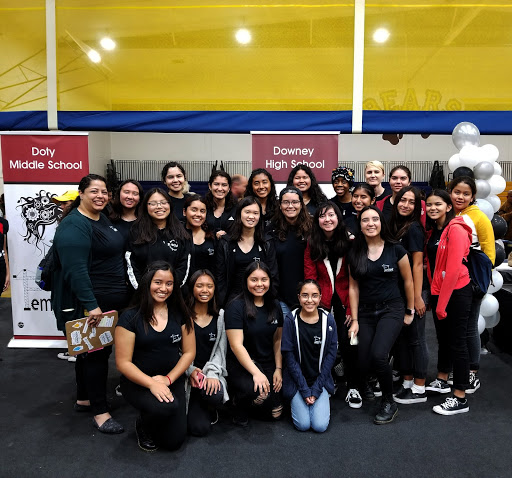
(206, 388)
(155, 345)
(254, 324)
(309, 346)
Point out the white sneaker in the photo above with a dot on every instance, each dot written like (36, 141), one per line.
(354, 399)
(66, 356)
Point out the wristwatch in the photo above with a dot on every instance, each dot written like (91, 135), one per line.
(409, 311)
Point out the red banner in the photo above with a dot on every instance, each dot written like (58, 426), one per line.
(280, 153)
(44, 159)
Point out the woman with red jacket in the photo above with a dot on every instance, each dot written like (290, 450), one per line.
(447, 246)
(325, 262)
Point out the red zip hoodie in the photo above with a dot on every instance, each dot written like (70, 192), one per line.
(450, 273)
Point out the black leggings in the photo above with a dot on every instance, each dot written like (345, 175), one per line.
(199, 405)
(241, 385)
(91, 369)
(347, 352)
(452, 336)
(165, 422)
(379, 327)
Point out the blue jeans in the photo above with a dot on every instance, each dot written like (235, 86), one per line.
(314, 416)
(284, 308)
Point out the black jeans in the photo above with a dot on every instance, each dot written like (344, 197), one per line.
(379, 327)
(199, 405)
(241, 385)
(166, 422)
(452, 336)
(413, 350)
(347, 352)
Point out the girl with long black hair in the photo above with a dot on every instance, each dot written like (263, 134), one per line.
(157, 234)
(303, 178)
(126, 205)
(362, 195)
(206, 387)
(244, 245)
(254, 324)
(292, 226)
(412, 354)
(155, 344)
(203, 243)
(377, 263)
(220, 203)
(448, 243)
(325, 260)
(261, 186)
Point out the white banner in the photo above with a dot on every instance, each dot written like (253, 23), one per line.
(32, 220)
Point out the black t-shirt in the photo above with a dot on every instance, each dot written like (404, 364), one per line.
(311, 207)
(242, 260)
(345, 208)
(124, 228)
(107, 271)
(205, 340)
(432, 244)
(258, 332)
(154, 353)
(4, 229)
(290, 263)
(310, 339)
(380, 197)
(351, 223)
(203, 256)
(387, 209)
(414, 239)
(177, 207)
(381, 281)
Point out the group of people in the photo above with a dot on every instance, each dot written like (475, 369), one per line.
(263, 301)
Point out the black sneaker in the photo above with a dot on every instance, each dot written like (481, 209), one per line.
(354, 399)
(452, 406)
(407, 396)
(438, 385)
(367, 392)
(450, 378)
(144, 439)
(387, 412)
(474, 383)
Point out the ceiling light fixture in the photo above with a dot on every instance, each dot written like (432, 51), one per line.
(107, 43)
(243, 36)
(381, 35)
(94, 56)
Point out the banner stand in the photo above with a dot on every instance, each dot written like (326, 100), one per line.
(36, 167)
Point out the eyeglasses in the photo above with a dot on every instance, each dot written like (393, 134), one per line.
(312, 296)
(158, 203)
(295, 202)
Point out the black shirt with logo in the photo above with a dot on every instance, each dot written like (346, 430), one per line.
(205, 340)
(258, 332)
(154, 353)
(310, 339)
(381, 281)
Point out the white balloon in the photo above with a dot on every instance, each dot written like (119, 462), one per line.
(454, 162)
(489, 305)
(492, 321)
(492, 153)
(496, 282)
(481, 324)
(498, 184)
(497, 169)
(485, 207)
(495, 202)
(469, 156)
(483, 188)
